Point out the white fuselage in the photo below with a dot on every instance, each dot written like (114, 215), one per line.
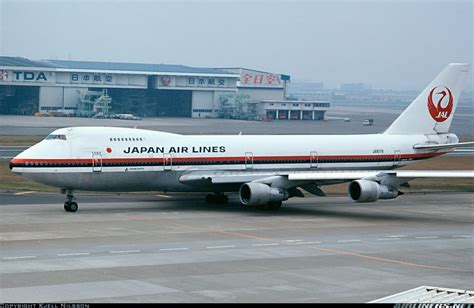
(123, 159)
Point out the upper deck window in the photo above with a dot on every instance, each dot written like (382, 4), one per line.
(56, 137)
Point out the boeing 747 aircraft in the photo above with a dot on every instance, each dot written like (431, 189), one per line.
(264, 169)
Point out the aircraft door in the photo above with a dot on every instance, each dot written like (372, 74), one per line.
(96, 162)
(167, 161)
(313, 159)
(248, 160)
(396, 158)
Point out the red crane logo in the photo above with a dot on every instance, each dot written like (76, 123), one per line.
(438, 112)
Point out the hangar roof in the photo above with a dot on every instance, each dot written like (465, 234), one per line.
(22, 62)
(142, 67)
(111, 66)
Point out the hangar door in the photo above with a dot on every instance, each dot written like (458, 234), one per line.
(22, 100)
(173, 103)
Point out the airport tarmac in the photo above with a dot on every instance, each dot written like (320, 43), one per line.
(463, 124)
(177, 248)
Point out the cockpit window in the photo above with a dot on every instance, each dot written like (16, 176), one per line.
(56, 137)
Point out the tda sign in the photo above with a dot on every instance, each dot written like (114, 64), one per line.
(30, 76)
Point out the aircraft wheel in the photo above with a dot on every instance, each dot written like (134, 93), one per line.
(262, 207)
(222, 199)
(210, 198)
(67, 206)
(73, 207)
(274, 206)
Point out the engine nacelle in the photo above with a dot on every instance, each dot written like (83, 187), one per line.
(259, 194)
(370, 191)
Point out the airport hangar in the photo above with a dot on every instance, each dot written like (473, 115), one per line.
(55, 86)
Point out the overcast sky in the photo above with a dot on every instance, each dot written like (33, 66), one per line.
(388, 44)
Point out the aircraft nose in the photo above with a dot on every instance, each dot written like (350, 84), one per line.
(14, 162)
(18, 160)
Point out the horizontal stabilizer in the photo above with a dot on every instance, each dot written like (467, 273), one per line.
(443, 146)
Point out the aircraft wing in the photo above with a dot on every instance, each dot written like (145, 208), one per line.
(355, 175)
(294, 178)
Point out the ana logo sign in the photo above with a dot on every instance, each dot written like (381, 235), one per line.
(444, 96)
(3, 75)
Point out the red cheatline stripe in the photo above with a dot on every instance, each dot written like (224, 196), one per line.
(231, 158)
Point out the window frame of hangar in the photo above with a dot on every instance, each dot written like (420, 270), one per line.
(203, 110)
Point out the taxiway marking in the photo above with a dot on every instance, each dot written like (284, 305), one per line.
(20, 257)
(266, 244)
(24, 193)
(308, 243)
(124, 251)
(217, 247)
(73, 254)
(339, 252)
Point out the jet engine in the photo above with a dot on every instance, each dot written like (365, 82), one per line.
(259, 194)
(370, 191)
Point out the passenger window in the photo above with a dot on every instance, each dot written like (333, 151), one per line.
(56, 137)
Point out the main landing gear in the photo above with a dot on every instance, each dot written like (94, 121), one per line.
(272, 206)
(70, 205)
(218, 198)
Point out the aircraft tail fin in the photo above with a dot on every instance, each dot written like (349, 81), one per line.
(433, 110)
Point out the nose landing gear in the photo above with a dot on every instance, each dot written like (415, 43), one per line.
(70, 205)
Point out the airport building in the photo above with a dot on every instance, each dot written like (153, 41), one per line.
(67, 87)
